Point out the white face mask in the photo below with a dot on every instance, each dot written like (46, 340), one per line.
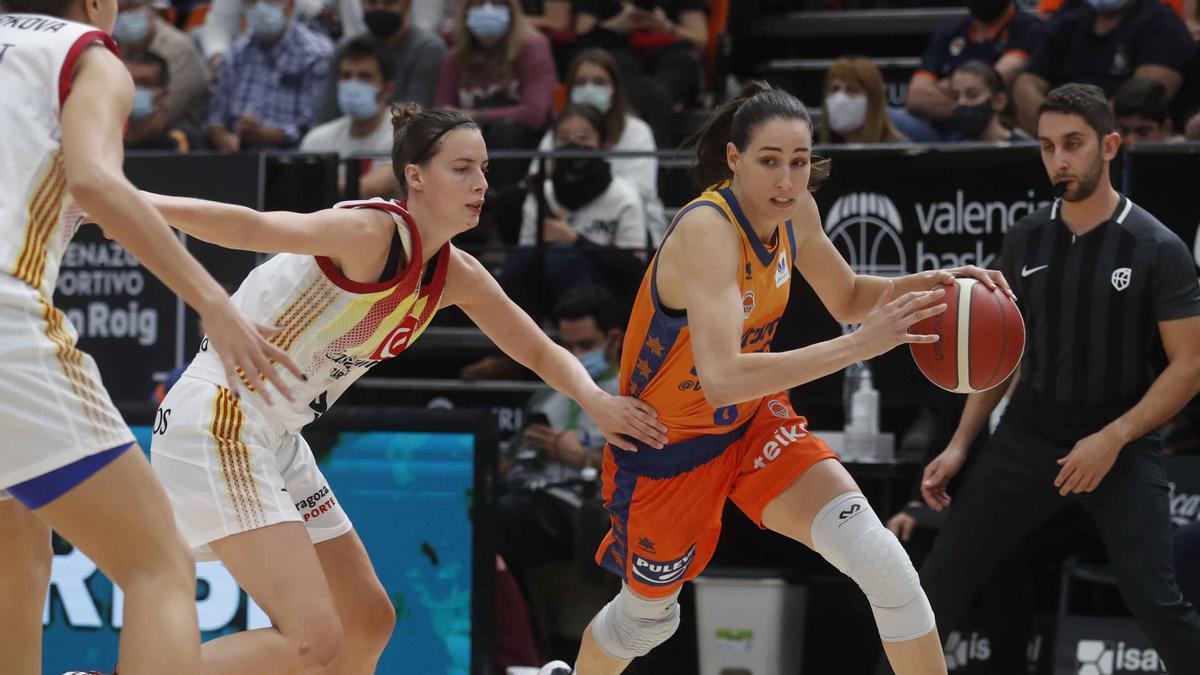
(594, 95)
(846, 113)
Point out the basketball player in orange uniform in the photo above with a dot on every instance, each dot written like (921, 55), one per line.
(697, 350)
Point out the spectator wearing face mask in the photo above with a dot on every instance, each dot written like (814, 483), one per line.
(415, 55)
(364, 85)
(151, 126)
(588, 319)
(593, 79)
(501, 73)
(855, 105)
(270, 82)
(594, 230)
(223, 23)
(138, 30)
(661, 39)
(1105, 42)
(996, 33)
(980, 101)
(1143, 112)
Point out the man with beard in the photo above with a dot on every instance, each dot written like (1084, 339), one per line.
(415, 53)
(1099, 281)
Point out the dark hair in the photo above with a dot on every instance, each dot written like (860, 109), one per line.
(1143, 97)
(55, 8)
(581, 302)
(590, 113)
(416, 132)
(735, 122)
(363, 48)
(618, 107)
(1086, 101)
(984, 71)
(149, 58)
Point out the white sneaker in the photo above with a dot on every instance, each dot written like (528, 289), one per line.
(556, 668)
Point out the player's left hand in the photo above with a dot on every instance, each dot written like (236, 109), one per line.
(993, 279)
(1088, 463)
(621, 416)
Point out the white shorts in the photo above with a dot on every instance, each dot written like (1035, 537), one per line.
(227, 470)
(53, 408)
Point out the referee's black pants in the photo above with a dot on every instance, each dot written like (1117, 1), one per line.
(1009, 491)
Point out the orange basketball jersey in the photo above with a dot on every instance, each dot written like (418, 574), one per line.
(657, 365)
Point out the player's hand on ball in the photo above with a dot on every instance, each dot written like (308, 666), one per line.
(937, 476)
(245, 352)
(1088, 463)
(622, 416)
(993, 279)
(889, 321)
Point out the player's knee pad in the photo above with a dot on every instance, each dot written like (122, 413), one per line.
(629, 626)
(849, 535)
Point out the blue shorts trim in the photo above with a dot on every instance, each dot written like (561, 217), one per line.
(37, 492)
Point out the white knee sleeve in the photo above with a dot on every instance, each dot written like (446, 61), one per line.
(629, 626)
(849, 535)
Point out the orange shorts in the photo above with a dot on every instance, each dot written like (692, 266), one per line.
(665, 505)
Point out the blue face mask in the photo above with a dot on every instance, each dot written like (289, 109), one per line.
(266, 20)
(595, 362)
(357, 99)
(143, 103)
(488, 21)
(132, 27)
(595, 95)
(1107, 5)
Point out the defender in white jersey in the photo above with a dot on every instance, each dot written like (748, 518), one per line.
(351, 286)
(64, 100)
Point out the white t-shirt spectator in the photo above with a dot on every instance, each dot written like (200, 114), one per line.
(615, 218)
(334, 136)
(641, 172)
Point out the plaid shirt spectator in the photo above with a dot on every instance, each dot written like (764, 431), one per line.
(279, 85)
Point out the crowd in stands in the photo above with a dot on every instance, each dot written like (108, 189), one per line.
(318, 75)
(612, 75)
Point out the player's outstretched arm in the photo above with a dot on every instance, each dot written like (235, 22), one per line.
(703, 270)
(92, 119)
(472, 288)
(329, 232)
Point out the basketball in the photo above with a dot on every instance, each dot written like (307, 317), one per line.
(982, 339)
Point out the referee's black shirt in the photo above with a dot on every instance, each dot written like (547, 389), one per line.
(1091, 306)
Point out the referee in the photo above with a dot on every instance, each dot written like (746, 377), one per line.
(1099, 281)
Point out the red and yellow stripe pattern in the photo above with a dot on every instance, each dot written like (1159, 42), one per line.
(86, 388)
(44, 208)
(234, 457)
(303, 312)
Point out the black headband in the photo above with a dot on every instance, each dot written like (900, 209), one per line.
(437, 137)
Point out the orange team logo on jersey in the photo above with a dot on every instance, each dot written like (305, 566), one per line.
(657, 363)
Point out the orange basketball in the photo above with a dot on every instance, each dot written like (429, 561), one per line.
(982, 339)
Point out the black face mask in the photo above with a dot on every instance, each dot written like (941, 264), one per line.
(578, 182)
(987, 11)
(972, 120)
(382, 23)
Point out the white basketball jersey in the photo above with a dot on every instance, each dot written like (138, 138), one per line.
(37, 215)
(334, 329)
